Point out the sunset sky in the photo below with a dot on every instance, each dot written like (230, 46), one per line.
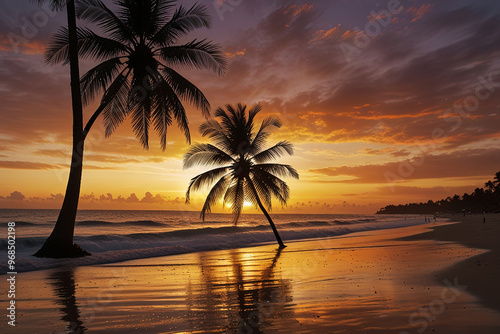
(385, 103)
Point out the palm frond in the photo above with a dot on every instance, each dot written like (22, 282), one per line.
(278, 170)
(236, 127)
(162, 119)
(116, 103)
(141, 120)
(166, 96)
(56, 5)
(95, 11)
(195, 54)
(261, 136)
(205, 179)
(160, 13)
(97, 79)
(58, 49)
(90, 45)
(214, 195)
(251, 115)
(182, 121)
(280, 149)
(142, 17)
(235, 195)
(205, 154)
(214, 131)
(95, 47)
(186, 90)
(269, 183)
(182, 22)
(259, 192)
(229, 118)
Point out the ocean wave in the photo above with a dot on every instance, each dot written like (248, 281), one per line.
(117, 248)
(306, 224)
(108, 247)
(20, 223)
(125, 223)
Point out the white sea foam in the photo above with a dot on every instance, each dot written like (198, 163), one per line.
(114, 236)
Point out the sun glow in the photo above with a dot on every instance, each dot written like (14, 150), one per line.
(247, 204)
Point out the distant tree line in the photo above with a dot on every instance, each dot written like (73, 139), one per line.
(485, 199)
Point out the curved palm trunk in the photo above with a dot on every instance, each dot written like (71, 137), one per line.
(282, 245)
(259, 203)
(60, 242)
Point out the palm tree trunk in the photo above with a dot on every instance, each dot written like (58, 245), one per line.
(278, 238)
(259, 203)
(60, 242)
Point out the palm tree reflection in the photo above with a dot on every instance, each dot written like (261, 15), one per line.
(238, 294)
(63, 282)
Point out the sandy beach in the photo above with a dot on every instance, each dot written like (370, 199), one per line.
(433, 278)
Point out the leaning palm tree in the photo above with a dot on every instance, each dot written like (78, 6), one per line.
(243, 170)
(135, 73)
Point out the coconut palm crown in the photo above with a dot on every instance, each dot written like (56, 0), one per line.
(243, 170)
(135, 56)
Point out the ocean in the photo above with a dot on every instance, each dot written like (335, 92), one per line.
(120, 235)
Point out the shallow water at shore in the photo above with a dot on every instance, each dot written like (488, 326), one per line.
(366, 282)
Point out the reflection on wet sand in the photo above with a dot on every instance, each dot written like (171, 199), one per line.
(239, 294)
(63, 282)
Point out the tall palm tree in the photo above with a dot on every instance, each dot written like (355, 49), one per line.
(135, 59)
(60, 242)
(243, 172)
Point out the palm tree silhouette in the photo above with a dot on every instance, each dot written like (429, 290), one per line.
(134, 72)
(243, 173)
(492, 188)
(496, 180)
(60, 242)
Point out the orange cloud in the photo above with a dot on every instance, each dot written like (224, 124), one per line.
(373, 115)
(418, 13)
(20, 44)
(296, 10)
(363, 106)
(326, 34)
(28, 165)
(349, 34)
(465, 163)
(393, 152)
(237, 53)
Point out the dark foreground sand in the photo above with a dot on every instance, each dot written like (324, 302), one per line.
(480, 273)
(387, 281)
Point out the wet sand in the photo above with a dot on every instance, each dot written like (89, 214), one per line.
(369, 282)
(482, 272)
